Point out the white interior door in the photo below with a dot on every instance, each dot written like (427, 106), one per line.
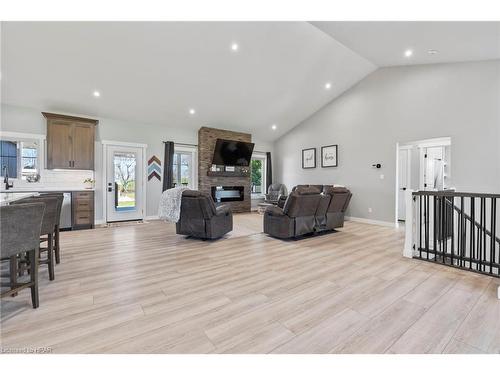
(403, 181)
(434, 168)
(124, 183)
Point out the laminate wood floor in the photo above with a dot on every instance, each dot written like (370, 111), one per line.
(144, 289)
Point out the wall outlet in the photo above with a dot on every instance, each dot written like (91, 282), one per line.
(370, 210)
(382, 176)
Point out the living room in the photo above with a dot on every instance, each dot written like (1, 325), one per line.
(265, 187)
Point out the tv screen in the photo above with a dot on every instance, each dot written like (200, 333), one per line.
(232, 153)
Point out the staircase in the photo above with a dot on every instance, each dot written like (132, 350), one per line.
(454, 229)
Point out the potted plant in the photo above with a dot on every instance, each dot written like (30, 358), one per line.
(89, 183)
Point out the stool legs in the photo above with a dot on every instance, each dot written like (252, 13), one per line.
(13, 272)
(33, 261)
(56, 244)
(50, 256)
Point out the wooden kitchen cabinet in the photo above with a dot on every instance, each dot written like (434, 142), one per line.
(70, 142)
(82, 204)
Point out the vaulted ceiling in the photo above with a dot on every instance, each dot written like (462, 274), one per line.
(156, 72)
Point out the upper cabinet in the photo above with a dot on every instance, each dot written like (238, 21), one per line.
(70, 142)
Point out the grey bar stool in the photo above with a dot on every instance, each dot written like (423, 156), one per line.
(48, 224)
(57, 247)
(20, 227)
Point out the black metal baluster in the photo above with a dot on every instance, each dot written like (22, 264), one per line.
(484, 241)
(420, 226)
(493, 235)
(452, 210)
(426, 221)
(479, 234)
(462, 231)
(472, 232)
(434, 227)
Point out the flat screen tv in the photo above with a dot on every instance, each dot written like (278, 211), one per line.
(232, 153)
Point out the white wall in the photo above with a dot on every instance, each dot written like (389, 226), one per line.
(30, 120)
(401, 104)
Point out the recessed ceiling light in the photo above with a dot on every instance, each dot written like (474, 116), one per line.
(192, 111)
(97, 94)
(234, 47)
(274, 127)
(432, 52)
(408, 53)
(328, 85)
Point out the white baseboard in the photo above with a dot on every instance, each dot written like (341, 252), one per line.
(155, 217)
(370, 221)
(100, 222)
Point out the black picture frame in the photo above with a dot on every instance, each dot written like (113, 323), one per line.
(324, 149)
(313, 149)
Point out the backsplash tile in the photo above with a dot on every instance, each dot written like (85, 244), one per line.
(57, 179)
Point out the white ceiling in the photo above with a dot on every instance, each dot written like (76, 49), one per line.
(384, 43)
(154, 72)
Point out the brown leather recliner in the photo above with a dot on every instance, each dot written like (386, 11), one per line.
(297, 217)
(201, 219)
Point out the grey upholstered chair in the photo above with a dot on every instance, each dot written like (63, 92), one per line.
(201, 219)
(57, 246)
(274, 192)
(20, 233)
(49, 221)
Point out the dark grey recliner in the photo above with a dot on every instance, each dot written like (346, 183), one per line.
(297, 217)
(275, 192)
(340, 198)
(201, 219)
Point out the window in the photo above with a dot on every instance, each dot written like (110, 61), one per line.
(258, 175)
(8, 158)
(183, 168)
(19, 156)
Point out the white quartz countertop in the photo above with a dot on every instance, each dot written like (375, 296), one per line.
(43, 189)
(6, 198)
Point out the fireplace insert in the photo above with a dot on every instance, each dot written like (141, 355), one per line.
(228, 193)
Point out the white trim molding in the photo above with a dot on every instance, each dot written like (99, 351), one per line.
(126, 144)
(371, 221)
(22, 135)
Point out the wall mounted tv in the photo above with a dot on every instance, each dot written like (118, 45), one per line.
(232, 153)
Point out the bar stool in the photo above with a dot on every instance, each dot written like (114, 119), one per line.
(20, 227)
(57, 247)
(48, 226)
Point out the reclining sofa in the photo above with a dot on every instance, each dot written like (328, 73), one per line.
(308, 209)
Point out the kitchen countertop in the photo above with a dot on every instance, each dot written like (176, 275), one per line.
(6, 198)
(43, 189)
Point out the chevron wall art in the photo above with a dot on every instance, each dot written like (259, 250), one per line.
(154, 168)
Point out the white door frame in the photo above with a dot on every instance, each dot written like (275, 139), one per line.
(194, 155)
(399, 147)
(105, 145)
(424, 143)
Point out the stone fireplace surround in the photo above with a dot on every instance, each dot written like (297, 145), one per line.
(207, 137)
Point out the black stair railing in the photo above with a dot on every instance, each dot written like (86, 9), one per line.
(458, 230)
